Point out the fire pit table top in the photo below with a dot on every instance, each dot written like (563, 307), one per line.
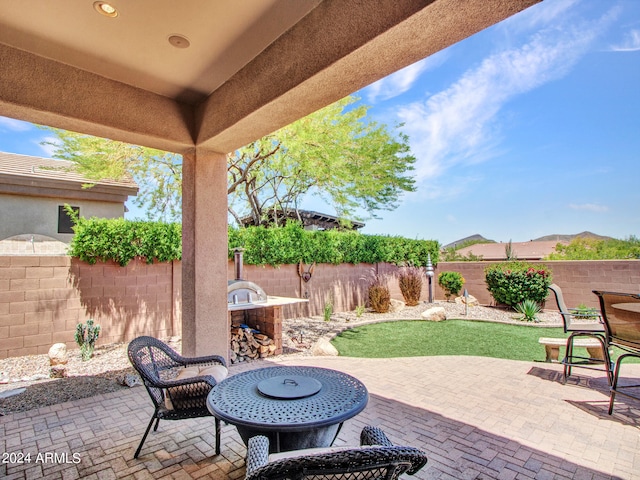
(238, 399)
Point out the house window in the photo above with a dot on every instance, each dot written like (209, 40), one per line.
(65, 223)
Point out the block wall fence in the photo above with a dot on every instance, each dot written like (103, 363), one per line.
(43, 298)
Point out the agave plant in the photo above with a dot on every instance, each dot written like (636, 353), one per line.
(528, 310)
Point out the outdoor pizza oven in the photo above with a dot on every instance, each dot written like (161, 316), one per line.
(242, 293)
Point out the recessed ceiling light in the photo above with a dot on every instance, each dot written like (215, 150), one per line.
(179, 41)
(105, 9)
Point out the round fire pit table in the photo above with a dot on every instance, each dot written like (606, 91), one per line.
(296, 407)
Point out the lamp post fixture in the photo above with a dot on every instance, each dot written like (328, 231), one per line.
(430, 277)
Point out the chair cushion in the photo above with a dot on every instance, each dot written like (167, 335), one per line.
(218, 372)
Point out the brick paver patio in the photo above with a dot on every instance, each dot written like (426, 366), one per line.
(476, 417)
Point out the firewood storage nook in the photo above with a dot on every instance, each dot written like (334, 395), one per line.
(255, 318)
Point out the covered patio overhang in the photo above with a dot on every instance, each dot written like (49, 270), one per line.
(203, 78)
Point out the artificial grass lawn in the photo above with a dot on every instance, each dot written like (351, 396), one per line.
(416, 338)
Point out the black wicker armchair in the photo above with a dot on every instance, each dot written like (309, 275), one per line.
(178, 386)
(376, 459)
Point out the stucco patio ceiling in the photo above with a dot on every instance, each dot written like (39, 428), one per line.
(251, 66)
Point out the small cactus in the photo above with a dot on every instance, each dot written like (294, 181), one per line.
(86, 337)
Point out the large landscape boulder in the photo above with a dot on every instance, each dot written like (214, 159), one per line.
(323, 348)
(58, 354)
(396, 305)
(470, 300)
(435, 314)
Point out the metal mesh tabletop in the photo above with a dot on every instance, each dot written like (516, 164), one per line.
(237, 400)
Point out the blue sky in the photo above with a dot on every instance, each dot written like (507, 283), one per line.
(528, 128)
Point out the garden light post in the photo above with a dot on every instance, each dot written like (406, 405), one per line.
(466, 302)
(430, 277)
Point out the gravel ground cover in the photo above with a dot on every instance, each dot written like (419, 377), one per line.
(104, 372)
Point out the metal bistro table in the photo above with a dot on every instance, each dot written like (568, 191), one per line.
(296, 407)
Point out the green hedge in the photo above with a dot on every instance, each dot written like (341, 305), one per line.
(122, 240)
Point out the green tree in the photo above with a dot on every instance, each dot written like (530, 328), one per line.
(157, 173)
(594, 249)
(351, 162)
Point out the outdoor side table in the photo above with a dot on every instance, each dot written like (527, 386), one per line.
(296, 407)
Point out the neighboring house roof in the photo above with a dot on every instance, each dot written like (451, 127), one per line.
(35, 176)
(311, 219)
(521, 250)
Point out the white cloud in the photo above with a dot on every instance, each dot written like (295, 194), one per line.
(541, 15)
(47, 147)
(590, 207)
(460, 125)
(401, 81)
(14, 125)
(631, 42)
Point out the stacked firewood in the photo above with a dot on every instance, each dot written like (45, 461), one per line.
(247, 344)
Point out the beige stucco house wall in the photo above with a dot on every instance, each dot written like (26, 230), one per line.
(33, 189)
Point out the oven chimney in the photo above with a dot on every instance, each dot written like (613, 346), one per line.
(237, 260)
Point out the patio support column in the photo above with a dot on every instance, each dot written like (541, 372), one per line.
(205, 327)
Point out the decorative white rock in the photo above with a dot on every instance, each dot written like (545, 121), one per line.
(58, 354)
(396, 305)
(323, 348)
(471, 301)
(435, 314)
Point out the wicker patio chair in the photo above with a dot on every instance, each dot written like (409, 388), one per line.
(376, 459)
(178, 386)
(576, 326)
(621, 315)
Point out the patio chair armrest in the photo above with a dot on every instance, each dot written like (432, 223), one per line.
(210, 359)
(257, 453)
(374, 436)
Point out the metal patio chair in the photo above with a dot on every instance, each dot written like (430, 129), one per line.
(621, 315)
(575, 324)
(178, 386)
(376, 459)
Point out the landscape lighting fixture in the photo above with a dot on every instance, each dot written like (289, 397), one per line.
(105, 9)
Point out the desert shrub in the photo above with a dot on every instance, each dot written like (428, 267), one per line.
(379, 294)
(513, 282)
(410, 281)
(581, 248)
(451, 283)
(528, 310)
(585, 313)
(327, 311)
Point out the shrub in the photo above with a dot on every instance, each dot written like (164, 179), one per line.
(451, 283)
(379, 294)
(513, 282)
(359, 311)
(585, 313)
(328, 310)
(86, 337)
(410, 281)
(528, 310)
